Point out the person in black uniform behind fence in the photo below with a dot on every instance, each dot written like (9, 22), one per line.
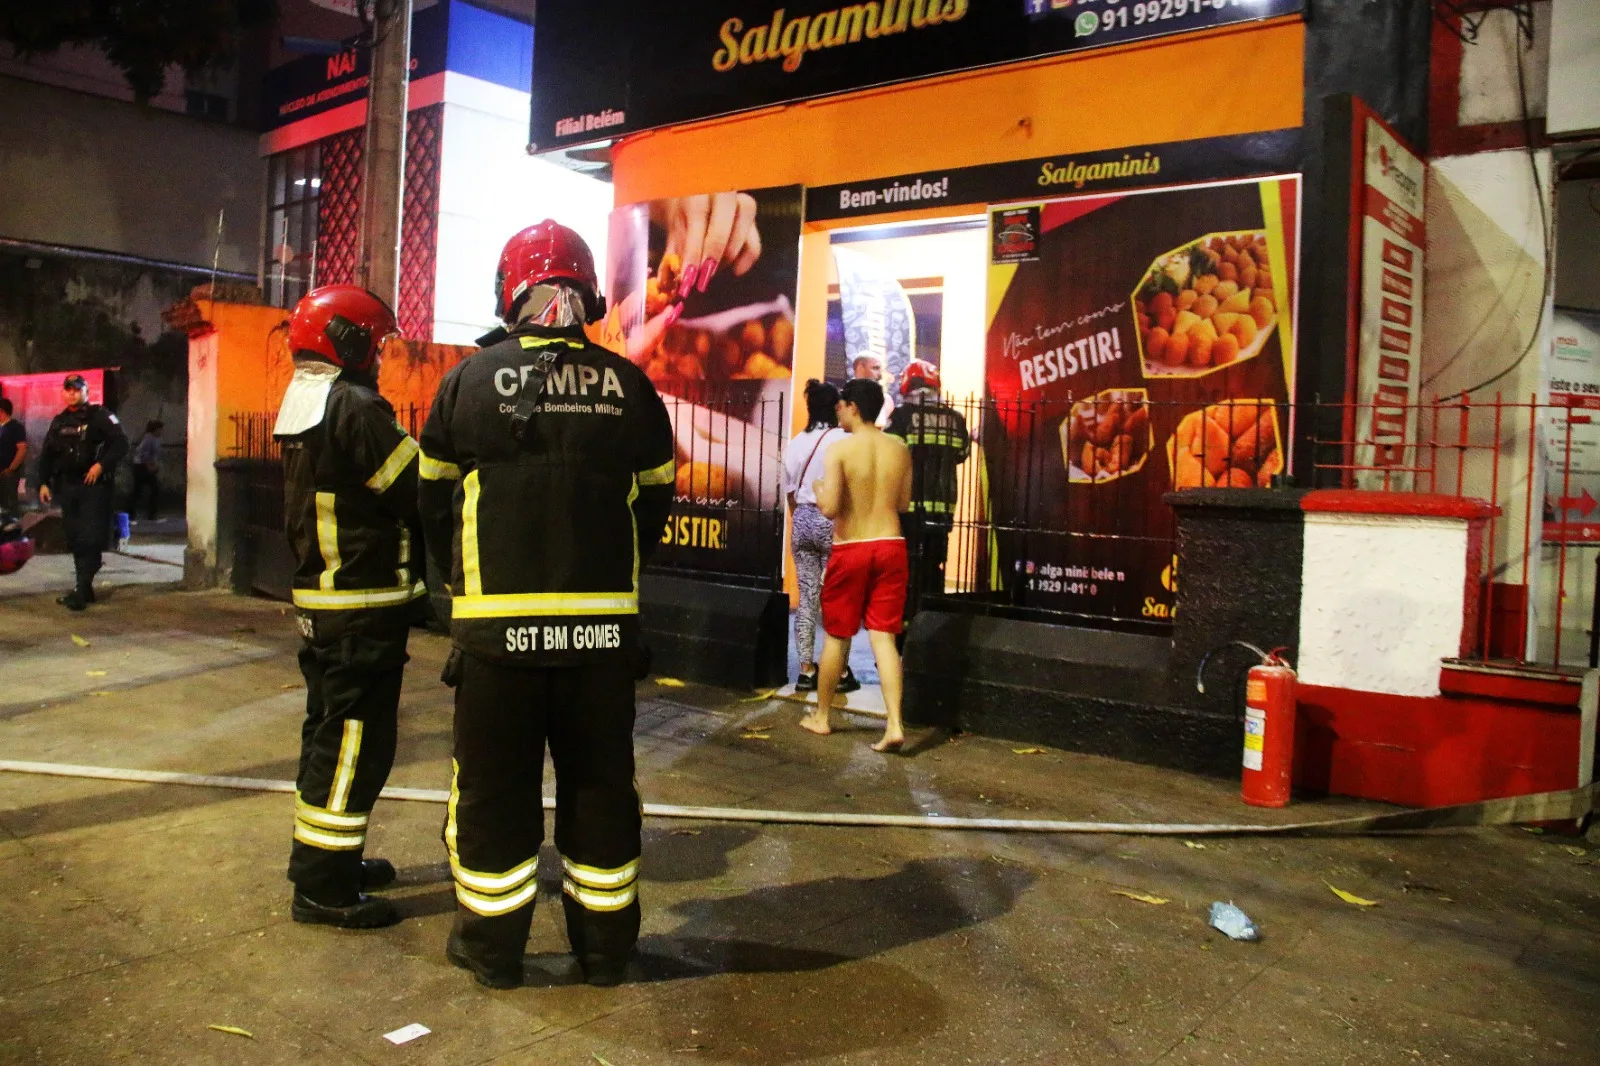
(548, 463)
(350, 506)
(77, 465)
(936, 434)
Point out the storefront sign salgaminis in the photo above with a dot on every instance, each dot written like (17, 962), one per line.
(1243, 155)
(603, 68)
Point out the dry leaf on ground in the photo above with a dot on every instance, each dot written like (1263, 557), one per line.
(1027, 751)
(1154, 901)
(95, 673)
(79, 641)
(669, 682)
(234, 1029)
(1350, 897)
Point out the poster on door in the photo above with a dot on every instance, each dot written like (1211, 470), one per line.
(1572, 430)
(701, 294)
(1145, 344)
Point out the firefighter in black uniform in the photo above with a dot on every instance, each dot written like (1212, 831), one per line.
(350, 507)
(937, 436)
(76, 468)
(548, 464)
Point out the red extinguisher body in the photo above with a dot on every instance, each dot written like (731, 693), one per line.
(1268, 735)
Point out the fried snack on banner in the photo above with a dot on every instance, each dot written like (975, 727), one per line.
(662, 287)
(1107, 436)
(1234, 444)
(1206, 305)
(757, 348)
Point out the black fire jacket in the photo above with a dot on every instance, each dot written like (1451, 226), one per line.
(937, 436)
(543, 537)
(350, 505)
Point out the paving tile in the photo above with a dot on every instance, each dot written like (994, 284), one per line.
(54, 926)
(155, 1011)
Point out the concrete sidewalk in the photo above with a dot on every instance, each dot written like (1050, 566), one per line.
(132, 917)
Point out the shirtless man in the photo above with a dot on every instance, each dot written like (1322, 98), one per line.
(866, 483)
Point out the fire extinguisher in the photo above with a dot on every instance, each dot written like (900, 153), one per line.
(1269, 713)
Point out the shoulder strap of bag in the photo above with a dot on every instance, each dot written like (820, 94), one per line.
(804, 470)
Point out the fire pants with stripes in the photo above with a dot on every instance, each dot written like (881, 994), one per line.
(352, 662)
(495, 825)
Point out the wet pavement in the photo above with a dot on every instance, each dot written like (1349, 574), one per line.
(133, 917)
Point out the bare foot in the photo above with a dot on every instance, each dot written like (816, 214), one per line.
(816, 724)
(890, 744)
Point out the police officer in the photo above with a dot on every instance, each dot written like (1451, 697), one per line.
(350, 506)
(548, 462)
(76, 468)
(937, 435)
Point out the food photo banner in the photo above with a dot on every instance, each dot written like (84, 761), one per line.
(701, 296)
(1137, 343)
(603, 68)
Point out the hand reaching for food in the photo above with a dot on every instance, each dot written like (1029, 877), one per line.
(652, 320)
(708, 232)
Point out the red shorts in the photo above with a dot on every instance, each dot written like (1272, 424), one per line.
(865, 580)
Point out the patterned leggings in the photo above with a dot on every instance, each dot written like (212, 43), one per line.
(812, 540)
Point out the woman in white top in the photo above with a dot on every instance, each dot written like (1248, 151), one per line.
(811, 534)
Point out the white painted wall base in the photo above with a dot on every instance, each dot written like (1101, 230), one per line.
(1382, 601)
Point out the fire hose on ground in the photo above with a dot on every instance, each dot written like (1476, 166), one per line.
(1566, 805)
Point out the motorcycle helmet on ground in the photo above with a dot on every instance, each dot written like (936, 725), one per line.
(15, 546)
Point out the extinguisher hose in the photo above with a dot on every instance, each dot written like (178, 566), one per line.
(1268, 658)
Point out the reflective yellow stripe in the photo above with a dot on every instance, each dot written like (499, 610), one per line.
(665, 474)
(600, 901)
(328, 841)
(432, 469)
(595, 877)
(471, 572)
(545, 342)
(353, 599)
(344, 777)
(326, 819)
(931, 506)
(495, 884)
(327, 538)
(517, 605)
(450, 814)
(393, 466)
(633, 523)
(490, 906)
(402, 573)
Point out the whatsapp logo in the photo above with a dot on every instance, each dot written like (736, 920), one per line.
(1087, 23)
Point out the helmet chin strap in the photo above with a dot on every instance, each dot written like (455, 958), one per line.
(555, 305)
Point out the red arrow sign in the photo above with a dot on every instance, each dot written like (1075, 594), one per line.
(1583, 504)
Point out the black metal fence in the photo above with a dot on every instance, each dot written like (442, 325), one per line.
(728, 517)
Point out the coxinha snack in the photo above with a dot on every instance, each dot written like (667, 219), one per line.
(1206, 305)
(1227, 445)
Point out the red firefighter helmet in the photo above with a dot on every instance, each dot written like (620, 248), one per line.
(546, 251)
(919, 374)
(345, 324)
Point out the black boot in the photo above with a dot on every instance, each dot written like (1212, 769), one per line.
(489, 976)
(376, 873)
(602, 971)
(73, 601)
(365, 912)
(848, 682)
